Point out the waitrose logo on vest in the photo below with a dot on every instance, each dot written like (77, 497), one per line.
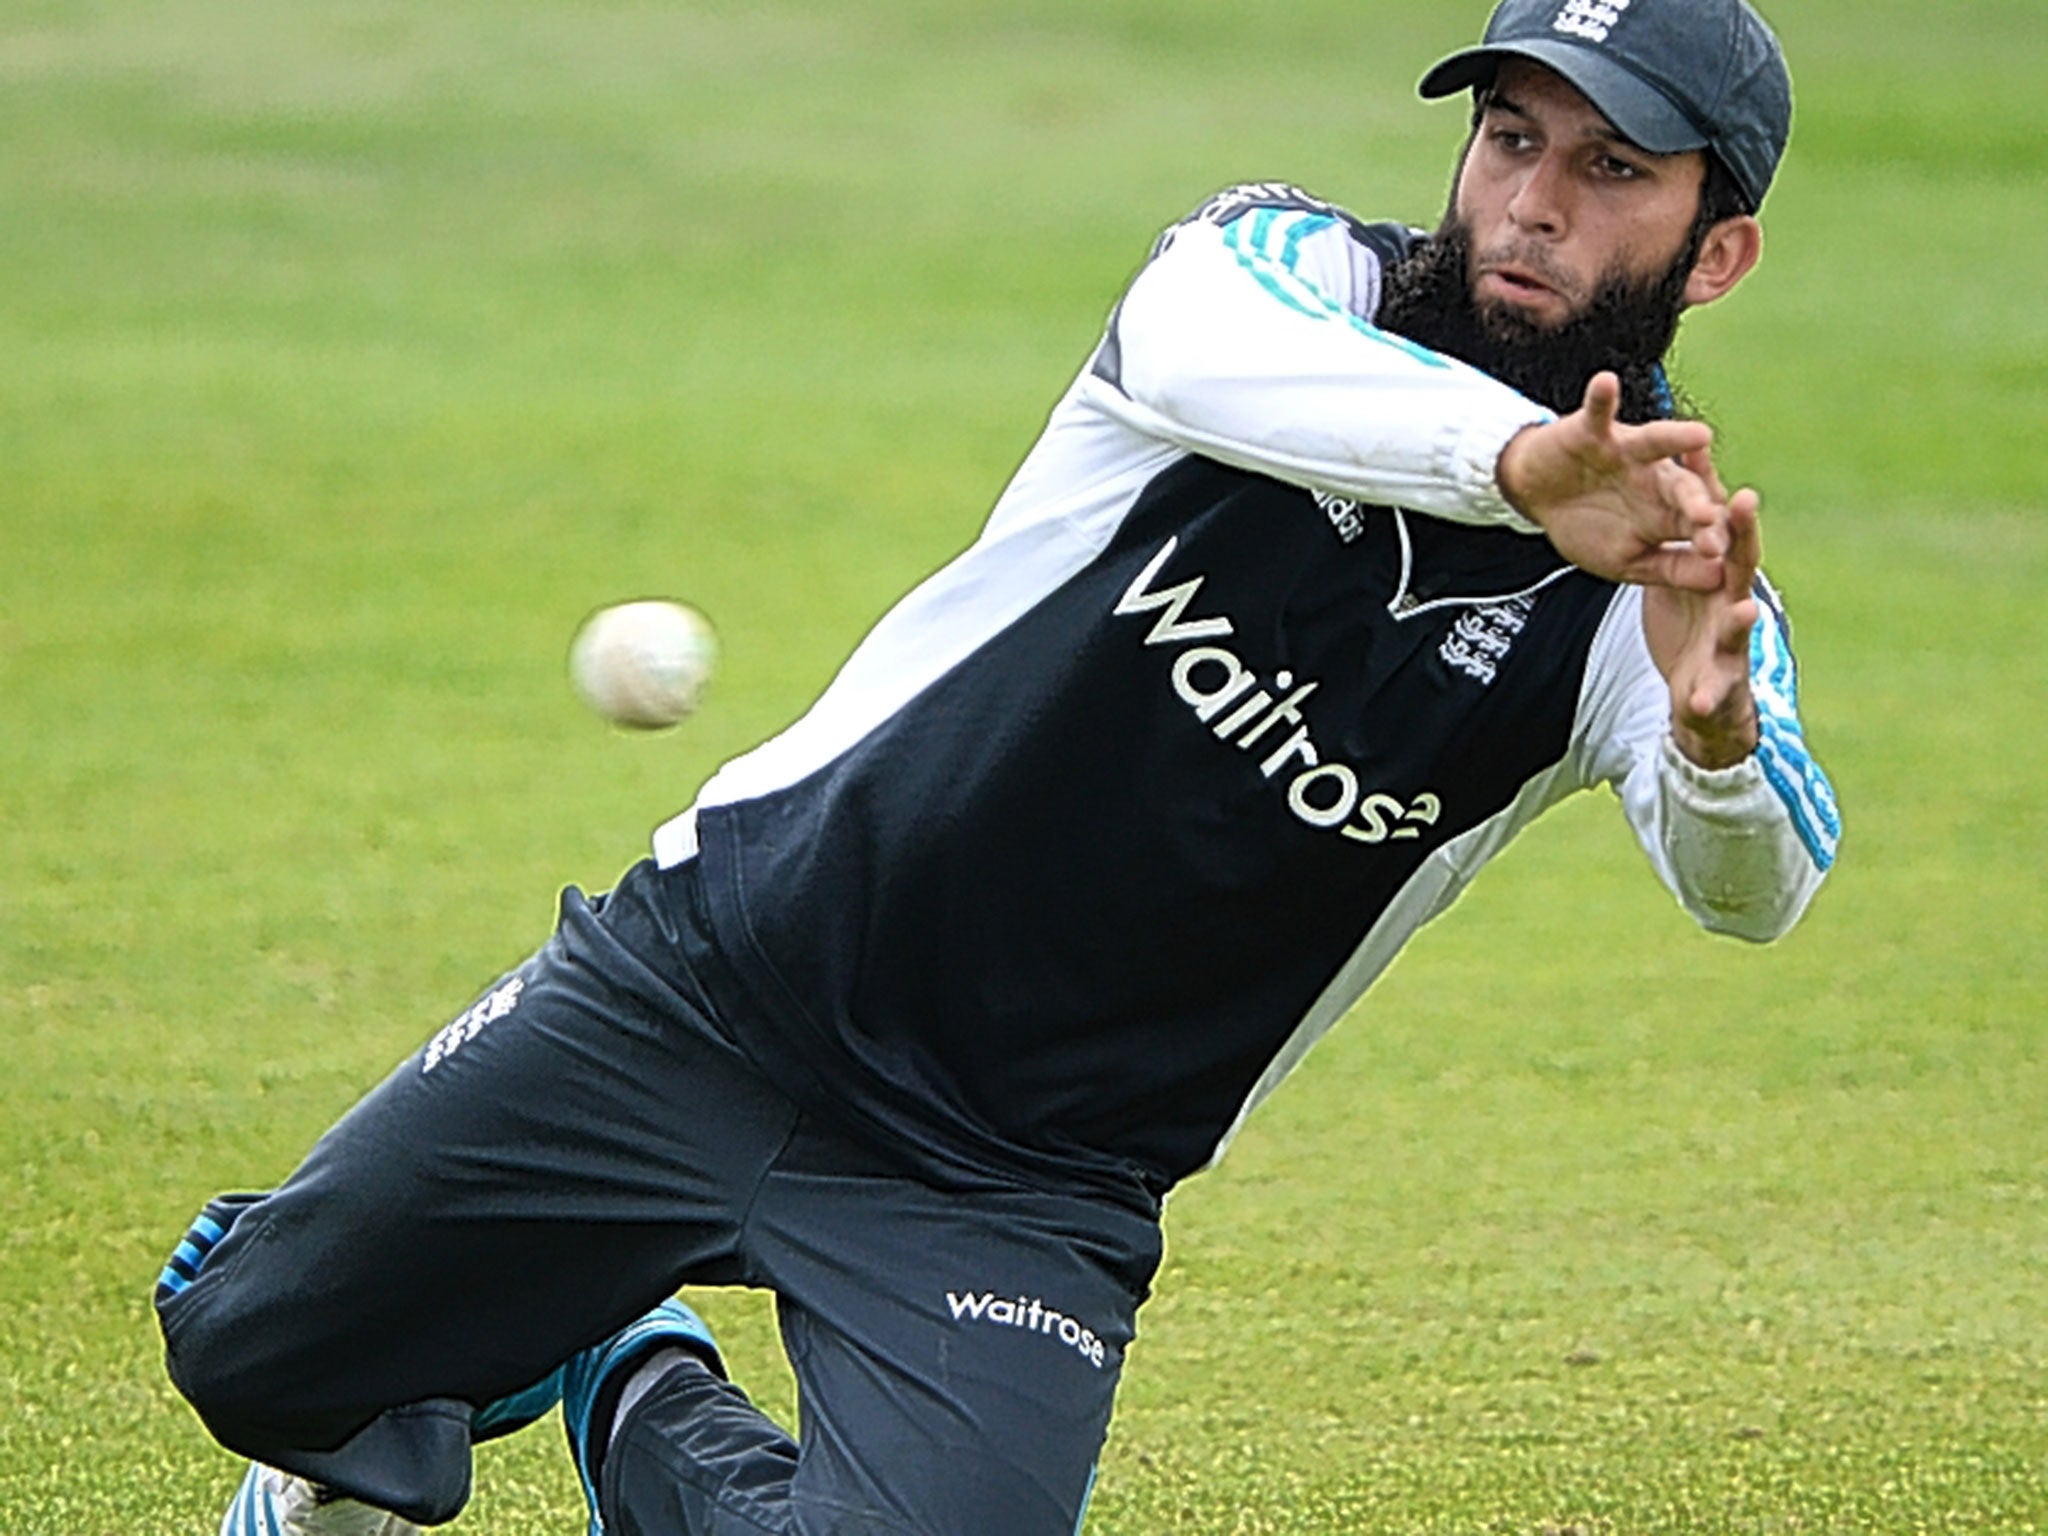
(1263, 718)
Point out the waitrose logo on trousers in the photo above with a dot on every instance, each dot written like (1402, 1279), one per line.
(1032, 1315)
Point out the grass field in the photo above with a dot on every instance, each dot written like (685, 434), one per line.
(351, 351)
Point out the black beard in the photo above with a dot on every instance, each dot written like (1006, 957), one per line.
(1627, 328)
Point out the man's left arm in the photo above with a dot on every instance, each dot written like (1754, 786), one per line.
(1692, 712)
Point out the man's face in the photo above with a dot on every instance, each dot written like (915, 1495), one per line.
(1559, 206)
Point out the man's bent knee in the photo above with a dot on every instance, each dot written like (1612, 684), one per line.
(214, 1350)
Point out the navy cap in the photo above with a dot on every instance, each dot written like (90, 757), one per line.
(1671, 75)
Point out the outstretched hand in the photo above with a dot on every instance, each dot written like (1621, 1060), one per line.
(1626, 502)
(1700, 641)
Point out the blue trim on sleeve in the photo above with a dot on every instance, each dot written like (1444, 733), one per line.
(1788, 766)
(1303, 228)
(1279, 277)
(1269, 281)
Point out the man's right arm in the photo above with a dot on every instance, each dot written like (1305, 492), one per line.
(1245, 340)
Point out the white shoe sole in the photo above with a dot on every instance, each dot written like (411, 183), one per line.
(273, 1503)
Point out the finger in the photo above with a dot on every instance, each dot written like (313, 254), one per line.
(1720, 682)
(1730, 710)
(1745, 536)
(1704, 519)
(1677, 565)
(1603, 399)
(1731, 637)
(1709, 703)
(1701, 462)
(1654, 440)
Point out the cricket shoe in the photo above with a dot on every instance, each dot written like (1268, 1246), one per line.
(592, 1381)
(274, 1503)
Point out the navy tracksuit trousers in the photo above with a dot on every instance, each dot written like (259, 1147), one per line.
(573, 1148)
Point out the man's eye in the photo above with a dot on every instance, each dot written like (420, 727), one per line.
(1618, 169)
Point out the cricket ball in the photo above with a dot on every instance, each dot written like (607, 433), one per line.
(643, 665)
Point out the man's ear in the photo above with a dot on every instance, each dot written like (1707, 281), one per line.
(1731, 248)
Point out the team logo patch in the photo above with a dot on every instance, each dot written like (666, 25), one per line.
(1590, 19)
(1481, 639)
(494, 1005)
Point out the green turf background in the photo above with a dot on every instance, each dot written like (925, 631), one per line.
(351, 351)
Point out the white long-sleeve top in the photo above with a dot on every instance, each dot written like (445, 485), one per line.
(1249, 672)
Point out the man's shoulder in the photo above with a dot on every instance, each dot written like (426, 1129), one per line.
(1389, 239)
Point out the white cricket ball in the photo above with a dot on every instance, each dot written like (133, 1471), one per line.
(642, 665)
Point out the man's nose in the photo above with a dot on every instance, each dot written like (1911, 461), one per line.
(1538, 205)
